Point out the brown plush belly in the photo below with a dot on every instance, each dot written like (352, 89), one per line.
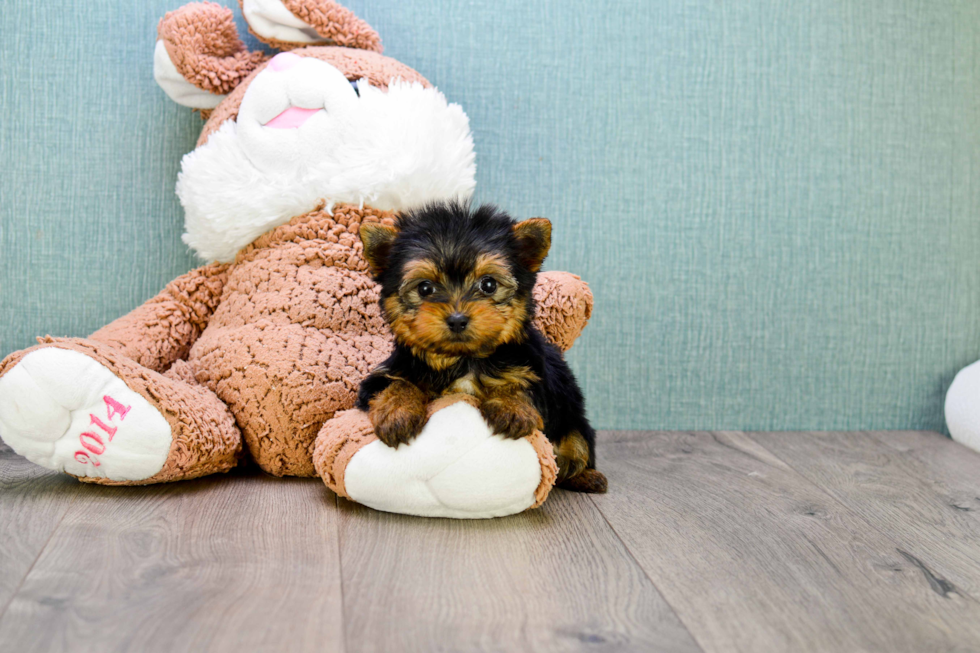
(282, 382)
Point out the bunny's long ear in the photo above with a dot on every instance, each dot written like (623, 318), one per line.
(288, 24)
(199, 57)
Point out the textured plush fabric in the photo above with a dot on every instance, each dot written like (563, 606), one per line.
(394, 148)
(334, 23)
(297, 328)
(205, 438)
(425, 478)
(355, 64)
(279, 340)
(203, 45)
(568, 300)
(774, 203)
(339, 439)
(163, 329)
(263, 349)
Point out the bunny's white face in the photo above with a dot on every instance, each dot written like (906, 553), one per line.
(296, 112)
(305, 134)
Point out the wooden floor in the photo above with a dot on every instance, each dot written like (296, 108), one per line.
(721, 541)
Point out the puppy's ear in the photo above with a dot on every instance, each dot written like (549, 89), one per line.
(377, 239)
(533, 242)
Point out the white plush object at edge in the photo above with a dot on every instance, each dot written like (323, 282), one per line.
(47, 402)
(963, 407)
(271, 20)
(176, 87)
(455, 468)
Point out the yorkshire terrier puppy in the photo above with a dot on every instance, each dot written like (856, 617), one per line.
(456, 289)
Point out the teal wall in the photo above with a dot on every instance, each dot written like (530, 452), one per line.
(776, 203)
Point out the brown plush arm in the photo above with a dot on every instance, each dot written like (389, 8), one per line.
(564, 306)
(203, 45)
(163, 329)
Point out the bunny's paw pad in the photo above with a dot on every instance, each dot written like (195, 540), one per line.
(64, 411)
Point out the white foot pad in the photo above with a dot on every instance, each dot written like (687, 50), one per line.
(456, 467)
(62, 410)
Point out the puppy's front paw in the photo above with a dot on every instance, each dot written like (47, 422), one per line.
(398, 426)
(511, 417)
(398, 413)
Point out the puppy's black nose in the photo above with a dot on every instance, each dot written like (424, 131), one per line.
(457, 322)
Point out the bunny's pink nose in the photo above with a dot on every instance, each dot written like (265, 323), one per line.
(284, 61)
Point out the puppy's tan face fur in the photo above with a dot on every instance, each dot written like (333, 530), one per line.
(456, 287)
(485, 296)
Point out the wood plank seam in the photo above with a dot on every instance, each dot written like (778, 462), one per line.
(647, 575)
(207, 554)
(936, 583)
(340, 572)
(861, 593)
(951, 481)
(40, 552)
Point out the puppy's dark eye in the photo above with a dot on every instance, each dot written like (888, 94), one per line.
(488, 285)
(425, 289)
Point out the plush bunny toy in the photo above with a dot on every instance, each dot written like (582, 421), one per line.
(260, 351)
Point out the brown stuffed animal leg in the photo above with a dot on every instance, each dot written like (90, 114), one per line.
(80, 407)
